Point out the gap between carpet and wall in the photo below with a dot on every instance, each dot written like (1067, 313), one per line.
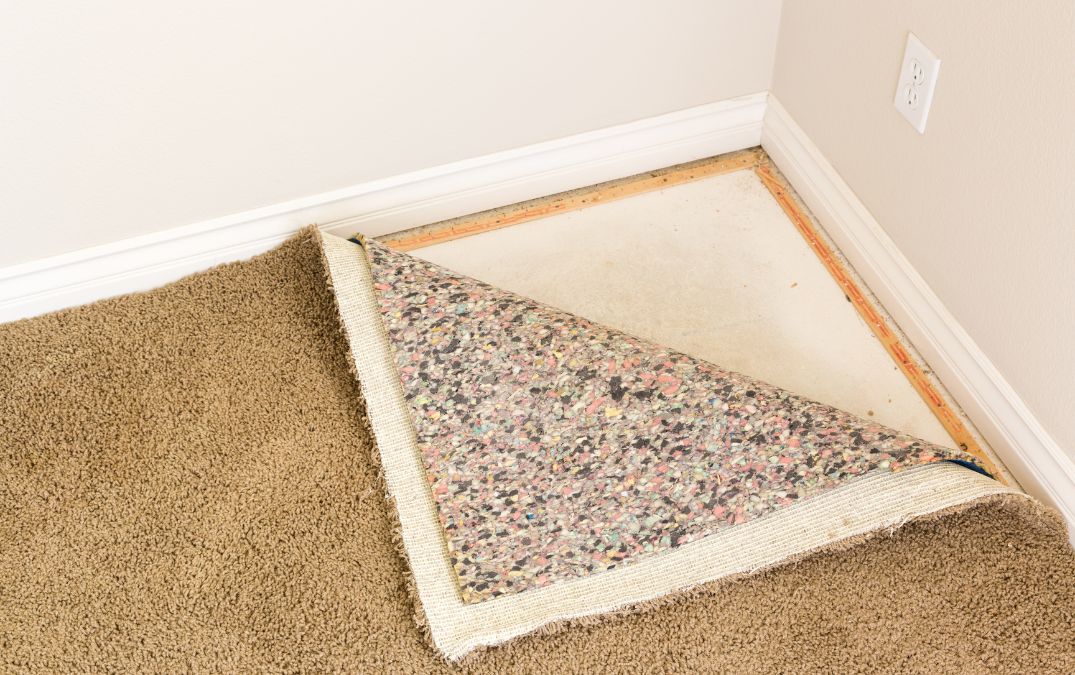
(410, 200)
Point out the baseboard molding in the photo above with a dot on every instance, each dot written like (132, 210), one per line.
(383, 206)
(408, 200)
(1036, 460)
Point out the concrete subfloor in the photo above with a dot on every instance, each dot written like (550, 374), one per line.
(714, 269)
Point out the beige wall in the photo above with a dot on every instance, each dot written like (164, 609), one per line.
(122, 118)
(983, 205)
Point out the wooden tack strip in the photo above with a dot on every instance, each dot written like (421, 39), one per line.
(876, 321)
(486, 221)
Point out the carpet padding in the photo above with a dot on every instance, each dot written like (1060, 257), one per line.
(557, 447)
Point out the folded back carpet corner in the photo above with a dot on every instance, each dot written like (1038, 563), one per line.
(338, 457)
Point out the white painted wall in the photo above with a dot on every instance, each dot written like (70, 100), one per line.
(981, 204)
(123, 118)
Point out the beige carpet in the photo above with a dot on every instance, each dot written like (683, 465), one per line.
(187, 483)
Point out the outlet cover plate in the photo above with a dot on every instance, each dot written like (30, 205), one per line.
(916, 83)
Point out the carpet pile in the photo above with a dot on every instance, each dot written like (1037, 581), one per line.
(189, 480)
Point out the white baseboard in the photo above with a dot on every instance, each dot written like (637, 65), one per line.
(1036, 460)
(385, 205)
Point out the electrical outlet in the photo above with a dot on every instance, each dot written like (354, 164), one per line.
(918, 79)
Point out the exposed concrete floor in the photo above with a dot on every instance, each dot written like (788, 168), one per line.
(711, 268)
